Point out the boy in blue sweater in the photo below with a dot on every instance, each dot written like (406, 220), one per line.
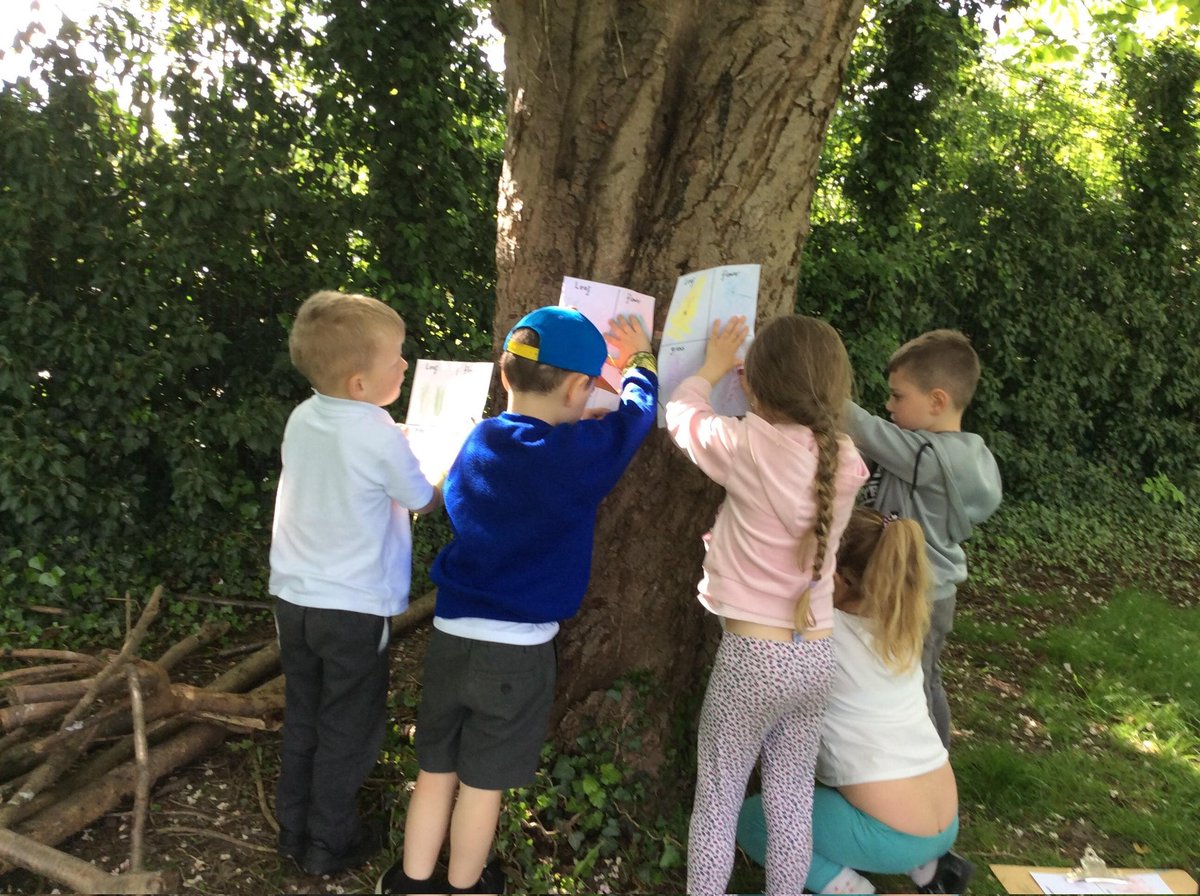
(522, 498)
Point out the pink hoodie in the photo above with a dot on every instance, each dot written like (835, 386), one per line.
(752, 569)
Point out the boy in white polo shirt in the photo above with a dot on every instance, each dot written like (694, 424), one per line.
(341, 551)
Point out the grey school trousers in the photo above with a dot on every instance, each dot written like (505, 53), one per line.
(941, 623)
(335, 664)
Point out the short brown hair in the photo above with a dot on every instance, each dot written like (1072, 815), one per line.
(940, 359)
(525, 375)
(336, 335)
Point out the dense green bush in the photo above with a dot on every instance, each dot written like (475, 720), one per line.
(1055, 226)
(149, 272)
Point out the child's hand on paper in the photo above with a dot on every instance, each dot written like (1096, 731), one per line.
(626, 336)
(724, 342)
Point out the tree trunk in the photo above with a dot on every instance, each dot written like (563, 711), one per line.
(647, 140)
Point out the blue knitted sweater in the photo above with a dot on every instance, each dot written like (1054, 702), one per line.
(522, 498)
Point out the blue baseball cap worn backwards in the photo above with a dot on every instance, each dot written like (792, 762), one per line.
(566, 339)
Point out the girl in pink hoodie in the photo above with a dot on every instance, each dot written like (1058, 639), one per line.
(790, 479)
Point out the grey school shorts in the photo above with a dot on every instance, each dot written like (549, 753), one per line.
(484, 710)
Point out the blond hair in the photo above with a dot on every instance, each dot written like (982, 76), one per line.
(337, 335)
(940, 359)
(797, 369)
(883, 562)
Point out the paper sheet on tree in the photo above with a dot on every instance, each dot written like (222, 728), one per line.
(600, 303)
(699, 299)
(446, 402)
(1140, 882)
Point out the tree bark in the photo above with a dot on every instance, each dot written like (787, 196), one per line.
(647, 140)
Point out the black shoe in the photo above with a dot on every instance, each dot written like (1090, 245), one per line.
(394, 880)
(952, 875)
(290, 845)
(318, 859)
(492, 880)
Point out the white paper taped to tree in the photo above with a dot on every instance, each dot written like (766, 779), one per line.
(600, 303)
(702, 297)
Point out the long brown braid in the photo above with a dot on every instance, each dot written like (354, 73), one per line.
(827, 465)
(797, 370)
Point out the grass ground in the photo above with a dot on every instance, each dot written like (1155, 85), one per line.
(1079, 726)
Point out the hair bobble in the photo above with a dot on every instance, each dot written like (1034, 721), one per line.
(889, 518)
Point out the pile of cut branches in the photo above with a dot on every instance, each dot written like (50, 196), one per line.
(82, 734)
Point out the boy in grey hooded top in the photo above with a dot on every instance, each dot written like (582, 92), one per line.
(929, 470)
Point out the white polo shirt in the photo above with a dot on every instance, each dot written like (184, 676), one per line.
(341, 538)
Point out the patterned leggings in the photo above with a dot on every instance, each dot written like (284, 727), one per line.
(765, 699)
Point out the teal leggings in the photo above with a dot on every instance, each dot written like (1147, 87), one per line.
(844, 837)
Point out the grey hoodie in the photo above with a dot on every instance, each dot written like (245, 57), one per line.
(947, 481)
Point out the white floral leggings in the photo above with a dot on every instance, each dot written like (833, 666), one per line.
(765, 699)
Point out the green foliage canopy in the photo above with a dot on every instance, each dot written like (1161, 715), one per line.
(1054, 222)
(155, 249)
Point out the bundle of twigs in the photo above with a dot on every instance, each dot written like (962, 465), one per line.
(83, 734)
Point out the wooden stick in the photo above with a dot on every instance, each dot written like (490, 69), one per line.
(263, 701)
(262, 795)
(242, 649)
(34, 674)
(132, 642)
(208, 633)
(208, 832)
(141, 795)
(78, 875)
(49, 611)
(13, 717)
(73, 690)
(229, 601)
(38, 653)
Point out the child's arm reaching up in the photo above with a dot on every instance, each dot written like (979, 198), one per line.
(707, 438)
(723, 344)
(892, 447)
(627, 337)
(629, 348)
(613, 437)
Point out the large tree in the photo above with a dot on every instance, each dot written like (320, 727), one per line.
(647, 140)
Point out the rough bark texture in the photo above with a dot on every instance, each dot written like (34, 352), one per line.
(647, 140)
